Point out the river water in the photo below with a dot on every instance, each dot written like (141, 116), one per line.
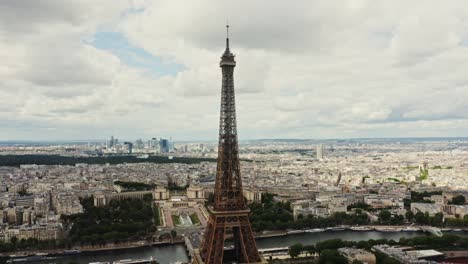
(173, 253)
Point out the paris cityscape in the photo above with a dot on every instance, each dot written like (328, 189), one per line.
(132, 143)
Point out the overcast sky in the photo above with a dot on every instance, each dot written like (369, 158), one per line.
(305, 69)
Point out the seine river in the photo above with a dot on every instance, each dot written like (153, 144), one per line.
(171, 254)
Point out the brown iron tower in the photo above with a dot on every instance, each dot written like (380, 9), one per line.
(230, 214)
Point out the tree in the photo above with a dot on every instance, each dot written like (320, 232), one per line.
(329, 256)
(420, 218)
(458, 200)
(438, 219)
(423, 174)
(14, 240)
(310, 249)
(295, 250)
(384, 216)
(329, 244)
(409, 215)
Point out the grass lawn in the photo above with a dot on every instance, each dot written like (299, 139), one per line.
(176, 220)
(194, 218)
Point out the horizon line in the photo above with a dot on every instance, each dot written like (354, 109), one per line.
(249, 139)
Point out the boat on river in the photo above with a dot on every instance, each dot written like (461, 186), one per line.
(151, 259)
(315, 230)
(16, 258)
(295, 232)
(336, 228)
(387, 229)
(410, 229)
(71, 252)
(361, 228)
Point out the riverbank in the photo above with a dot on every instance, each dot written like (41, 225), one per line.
(168, 253)
(88, 249)
(378, 228)
(263, 235)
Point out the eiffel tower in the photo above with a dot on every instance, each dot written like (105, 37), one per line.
(230, 215)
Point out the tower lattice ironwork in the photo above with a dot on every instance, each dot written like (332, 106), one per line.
(230, 214)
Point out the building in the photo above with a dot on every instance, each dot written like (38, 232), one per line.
(154, 144)
(66, 204)
(39, 232)
(28, 216)
(429, 208)
(405, 255)
(9, 216)
(128, 147)
(111, 142)
(195, 192)
(361, 255)
(101, 199)
(452, 210)
(41, 206)
(379, 201)
(316, 211)
(320, 151)
(252, 195)
(25, 201)
(160, 194)
(438, 199)
(164, 145)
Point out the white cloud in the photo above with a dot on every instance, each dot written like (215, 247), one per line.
(310, 69)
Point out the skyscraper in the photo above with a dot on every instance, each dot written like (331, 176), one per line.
(230, 214)
(164, 145)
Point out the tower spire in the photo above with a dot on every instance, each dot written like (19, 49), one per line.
(227, 36)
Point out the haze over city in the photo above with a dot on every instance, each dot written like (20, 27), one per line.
(312, 69)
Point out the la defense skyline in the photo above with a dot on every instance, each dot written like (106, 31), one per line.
(229, 215)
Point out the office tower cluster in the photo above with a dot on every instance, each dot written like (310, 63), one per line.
(154, 145)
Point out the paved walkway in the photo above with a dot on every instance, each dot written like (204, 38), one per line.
(168, 217)
(201, 217)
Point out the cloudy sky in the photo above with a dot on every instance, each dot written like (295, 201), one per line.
(89, 69)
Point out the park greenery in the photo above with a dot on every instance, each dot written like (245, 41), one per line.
(423, 174)
(32, 244)
(194, 218)
(134, 186)
(119, 221)
(43, 159)
(175, 220)
(273, 215)
(330, 256)
(458, 200)
(419, 197)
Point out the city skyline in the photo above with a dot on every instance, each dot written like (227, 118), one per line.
(325, 70)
